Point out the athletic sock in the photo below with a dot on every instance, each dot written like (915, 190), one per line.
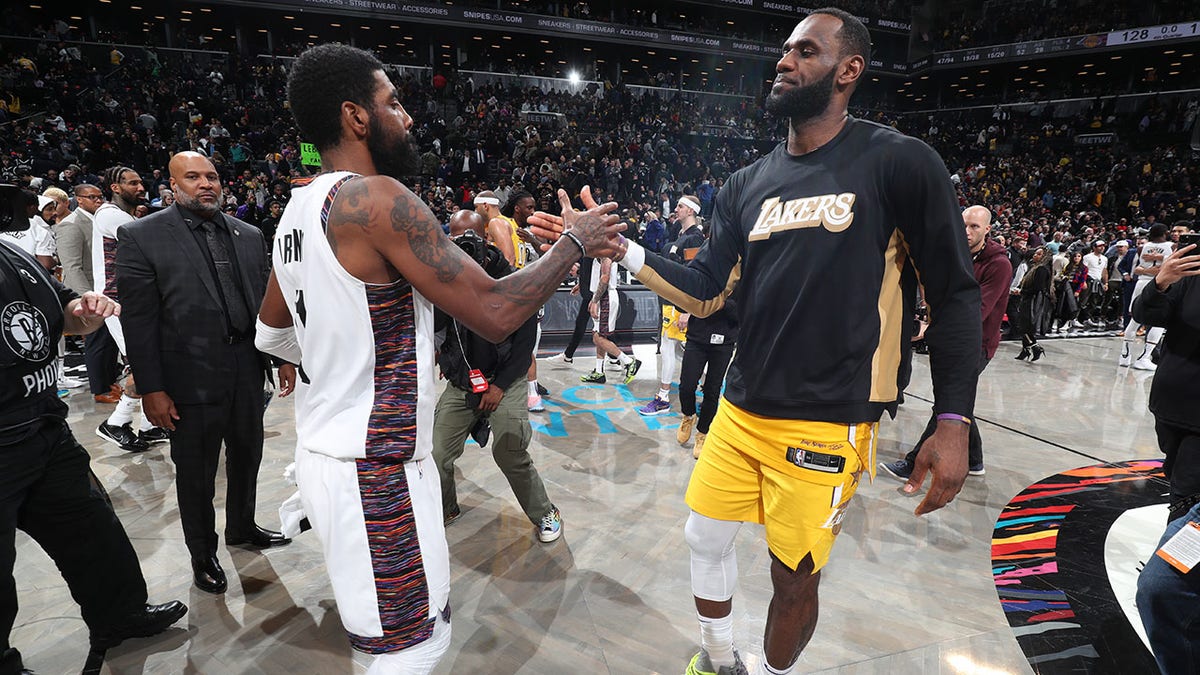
(600, 365)
(716, 636)
(624, 358)
(146, 425)
(664, 393)
(123, 414)
(532, 387)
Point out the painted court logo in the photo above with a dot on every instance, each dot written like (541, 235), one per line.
(833, 212)
(25, 331)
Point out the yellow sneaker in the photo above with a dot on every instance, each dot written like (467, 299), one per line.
(699, 446)
(685, 429)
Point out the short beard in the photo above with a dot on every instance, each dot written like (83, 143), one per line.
(392, 157)
(196, 206)
(801, 104)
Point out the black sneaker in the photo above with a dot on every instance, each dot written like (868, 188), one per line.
(154, 435)
(900, 469)
(631, 370)
(123, 436)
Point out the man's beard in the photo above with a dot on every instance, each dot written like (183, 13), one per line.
(392, 156)
(801, 104)
(196, 206)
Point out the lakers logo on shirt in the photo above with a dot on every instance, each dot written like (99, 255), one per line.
(833, 212)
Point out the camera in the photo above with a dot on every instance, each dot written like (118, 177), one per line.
(13, 204)
(484, 254)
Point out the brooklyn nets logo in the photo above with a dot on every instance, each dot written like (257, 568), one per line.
(26, 331)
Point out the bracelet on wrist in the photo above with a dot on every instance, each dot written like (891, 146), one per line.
(952, 417)
(571, 235)
(623, 248)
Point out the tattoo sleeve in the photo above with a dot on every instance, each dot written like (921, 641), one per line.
(534, 284)
(350, 208)
(425, 237)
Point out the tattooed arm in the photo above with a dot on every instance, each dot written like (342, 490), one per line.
(378, 219)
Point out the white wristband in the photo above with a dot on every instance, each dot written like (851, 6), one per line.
(634, 258)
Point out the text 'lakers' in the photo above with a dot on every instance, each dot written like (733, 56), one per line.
(833, 212)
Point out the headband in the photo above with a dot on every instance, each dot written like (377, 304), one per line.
(487, 200)
(690, 204)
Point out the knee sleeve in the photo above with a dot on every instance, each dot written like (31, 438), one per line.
(713, 560)
(417, 660)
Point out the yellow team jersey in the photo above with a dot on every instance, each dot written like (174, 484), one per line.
(520, 255)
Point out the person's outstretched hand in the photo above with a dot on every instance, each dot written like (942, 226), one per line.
(597, 227)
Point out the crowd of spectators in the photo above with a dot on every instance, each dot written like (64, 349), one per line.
(81, 115)
(977, 25)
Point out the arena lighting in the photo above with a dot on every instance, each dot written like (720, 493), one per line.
(573, 77)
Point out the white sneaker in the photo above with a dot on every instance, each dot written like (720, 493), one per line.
(68, 382)
(1126, 359)
(535, 404)
(1144, 363)
(560, 358)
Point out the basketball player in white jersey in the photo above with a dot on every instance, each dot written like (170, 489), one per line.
(127, 193)
(1150, 257)
(359, 262)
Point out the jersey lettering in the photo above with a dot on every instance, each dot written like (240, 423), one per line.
(40, 380)
(291, 246)
(833, 212)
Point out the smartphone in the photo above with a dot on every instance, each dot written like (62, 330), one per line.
(1190, 238)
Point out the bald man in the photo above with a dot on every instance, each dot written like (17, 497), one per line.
(993, 271)
(191, 281)
(461, 221)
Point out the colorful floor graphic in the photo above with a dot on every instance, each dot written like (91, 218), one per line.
(1065, 582)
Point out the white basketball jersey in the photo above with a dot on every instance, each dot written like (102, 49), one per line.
(105, 222)
(1163, 248)
(367, 386)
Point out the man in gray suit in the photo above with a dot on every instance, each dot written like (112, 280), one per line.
(191, 281)
(74, 235)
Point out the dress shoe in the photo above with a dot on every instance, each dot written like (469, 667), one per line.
(109, 397)
(151, 620)
(257, 537)
(208, 575)
(1023, 355)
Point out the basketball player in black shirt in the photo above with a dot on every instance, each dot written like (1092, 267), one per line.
(828, 233)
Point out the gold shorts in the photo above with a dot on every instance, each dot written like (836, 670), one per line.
(793, 476)
(669, 329)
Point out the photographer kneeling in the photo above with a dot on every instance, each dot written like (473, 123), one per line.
(485, 392)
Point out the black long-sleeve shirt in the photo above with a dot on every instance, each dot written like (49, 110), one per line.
(31, 319)
(502, 364)
(1174, 397)
(829, 246)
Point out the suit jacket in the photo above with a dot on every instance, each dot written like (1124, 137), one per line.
(74, 237)
(171, 310)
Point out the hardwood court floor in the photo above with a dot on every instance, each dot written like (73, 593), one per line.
(900, 595)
